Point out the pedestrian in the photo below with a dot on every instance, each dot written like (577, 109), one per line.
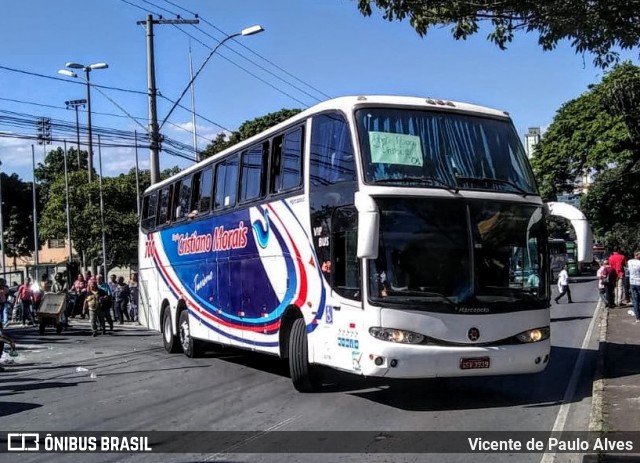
(634, 284)
(603, 282)
(5, 338)
(563, 285)
(16, 312)
(618, 262)
(79, 289)
(59, 286)
(5, 306)
(107, 301)
(113, 286)
(133, 297)
(92, 302)
(25, 296)
(121, 297)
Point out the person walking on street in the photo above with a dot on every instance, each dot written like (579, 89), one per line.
(79, 289)
(121, 298)
(603, 282)
(113, 286)
(5, 306)
(26, 298)
(5, 339)
(563, 285)
(133, 297)
(107, 302)
(59, 286)
(634, 284)
(92, 303)
(618, 262)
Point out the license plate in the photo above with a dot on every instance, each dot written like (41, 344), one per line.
(474, 362)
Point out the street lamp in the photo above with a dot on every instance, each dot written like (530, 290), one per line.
(153, 125)
(87, 71)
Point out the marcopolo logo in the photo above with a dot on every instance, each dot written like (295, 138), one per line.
(23, 442)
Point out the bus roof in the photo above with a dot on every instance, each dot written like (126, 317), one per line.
(347, 104)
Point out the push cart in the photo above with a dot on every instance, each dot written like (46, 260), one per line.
(51, 311)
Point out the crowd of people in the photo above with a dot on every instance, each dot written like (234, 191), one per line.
(619, 282)
(87, 296)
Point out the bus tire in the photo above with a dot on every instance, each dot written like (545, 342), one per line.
(302, 374)
(171, 344)
(190, 346)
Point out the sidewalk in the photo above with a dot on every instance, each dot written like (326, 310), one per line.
(616, 398)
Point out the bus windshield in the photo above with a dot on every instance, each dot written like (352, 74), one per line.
(437, 254)
(411, 147)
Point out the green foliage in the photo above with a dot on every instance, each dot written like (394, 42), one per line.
(120, 214)
(594, 26)
(247, 130)
(17, 213)
(596, 134)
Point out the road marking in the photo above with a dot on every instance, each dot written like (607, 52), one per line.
(258, 435)
(561, 418)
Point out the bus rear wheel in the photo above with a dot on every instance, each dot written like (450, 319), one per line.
(171, 344)
(302, 373)
(190, 346)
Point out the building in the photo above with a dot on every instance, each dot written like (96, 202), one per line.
(531, 139)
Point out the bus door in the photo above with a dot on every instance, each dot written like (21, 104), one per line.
(344, 313)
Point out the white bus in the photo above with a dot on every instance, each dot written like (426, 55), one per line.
(371, 234)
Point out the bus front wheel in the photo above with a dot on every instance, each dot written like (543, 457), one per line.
(302, 374)
(171, 344)
(190, 346)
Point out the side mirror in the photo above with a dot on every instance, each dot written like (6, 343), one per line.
(368, 226)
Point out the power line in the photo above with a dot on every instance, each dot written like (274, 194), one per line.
(35, 74)
(250, 50)
(244, 57)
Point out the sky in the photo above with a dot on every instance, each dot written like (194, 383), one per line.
(309, 51)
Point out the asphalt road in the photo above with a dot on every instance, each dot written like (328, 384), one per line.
(125, 381)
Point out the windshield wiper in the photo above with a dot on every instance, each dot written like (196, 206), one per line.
(423, 180)
(494, 181)
(411, 294)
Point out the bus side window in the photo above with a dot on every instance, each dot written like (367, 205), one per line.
(287, 161)
(163, 211)
(182, 196)
(332, 158)
(149, 208)
(345, 266)
(175, 209)
(226, 183)
(201, 189)
(252, 179)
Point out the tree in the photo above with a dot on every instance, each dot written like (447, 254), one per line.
(247, 130)
(588, 135)
(593, 26)
(17, 212)
(594, 135)
(53, 166)
(120, 214)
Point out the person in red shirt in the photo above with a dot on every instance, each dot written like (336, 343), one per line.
(618, 261)
(25, 295)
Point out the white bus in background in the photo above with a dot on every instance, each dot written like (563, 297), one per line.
(375, 235)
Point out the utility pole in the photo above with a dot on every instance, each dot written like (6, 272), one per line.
(75, 104)
(154, 131)
(44, 138)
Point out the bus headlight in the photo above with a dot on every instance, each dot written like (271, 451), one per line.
(394, 335)
(534, 335)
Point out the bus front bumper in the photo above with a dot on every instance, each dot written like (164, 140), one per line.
(418, 361)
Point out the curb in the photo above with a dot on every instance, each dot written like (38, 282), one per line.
(596, 418)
